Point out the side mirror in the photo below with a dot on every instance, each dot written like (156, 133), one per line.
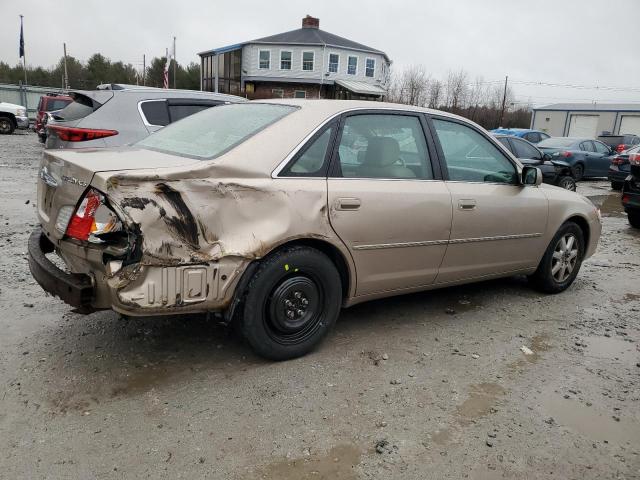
(531, 176)
(546, 157)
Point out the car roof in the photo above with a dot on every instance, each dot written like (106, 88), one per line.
(152, 92)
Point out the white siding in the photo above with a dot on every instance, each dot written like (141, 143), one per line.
(250, 63)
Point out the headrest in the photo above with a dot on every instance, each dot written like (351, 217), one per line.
(382, 152)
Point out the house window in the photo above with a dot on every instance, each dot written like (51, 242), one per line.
(334, 62)
(277, 93)
(307, 61)
(300, 94)
(352, 66)
(285, 60)
(265, 59)
(370, 67)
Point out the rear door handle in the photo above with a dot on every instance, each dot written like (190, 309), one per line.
(348, 204)
(467, 204)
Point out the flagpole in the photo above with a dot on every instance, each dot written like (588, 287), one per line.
(175, 62)
(24, 55)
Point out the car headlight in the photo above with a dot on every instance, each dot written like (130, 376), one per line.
(22, 112)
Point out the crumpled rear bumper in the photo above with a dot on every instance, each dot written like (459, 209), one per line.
(76, 289)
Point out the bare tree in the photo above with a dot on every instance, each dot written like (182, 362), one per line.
(456, 89)
(435, 93)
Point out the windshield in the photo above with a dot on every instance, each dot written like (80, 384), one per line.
(556, 142)
(214, 131)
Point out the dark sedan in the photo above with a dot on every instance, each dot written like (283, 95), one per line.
(554, 172)
(587, 157)
(631, 191)
(619, 168)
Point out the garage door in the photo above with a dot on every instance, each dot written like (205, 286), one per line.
(630, 124)
(583, 126)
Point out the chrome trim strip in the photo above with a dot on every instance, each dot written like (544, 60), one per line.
(490, 239)
(400, 245)
(455, 241)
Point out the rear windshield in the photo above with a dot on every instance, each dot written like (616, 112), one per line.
(214, 131)
(79, 108)
(57, 104)
(556, 142)
(612, 140)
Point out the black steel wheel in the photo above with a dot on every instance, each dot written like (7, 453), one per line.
(6, 126)
(291, 303)
(568, 183)
(578, 171)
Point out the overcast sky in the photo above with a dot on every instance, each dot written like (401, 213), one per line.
(570, 42)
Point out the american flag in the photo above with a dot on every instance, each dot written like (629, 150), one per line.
(166, 71)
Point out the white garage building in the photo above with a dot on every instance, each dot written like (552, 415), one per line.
(587, 119)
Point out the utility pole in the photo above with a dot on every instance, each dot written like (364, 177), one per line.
(175, 62)
(504, 100)
(66, 76)
(144, 69)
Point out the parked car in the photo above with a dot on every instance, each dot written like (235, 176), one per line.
(587, 157)
(554, 172)
(120, 116)
(532, 136)
(259, 212)
(620, 143)
(631, 191)
(51, 102)
(12, 116)
(619, 168)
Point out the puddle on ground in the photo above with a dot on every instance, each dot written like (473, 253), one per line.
(631, 297)
(538, 345)
(339, 463)
(609, 205)
(441, 437)
(481, 401)
(590, 422)
(613, 349)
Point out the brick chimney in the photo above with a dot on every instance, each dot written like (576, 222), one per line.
(310, 22)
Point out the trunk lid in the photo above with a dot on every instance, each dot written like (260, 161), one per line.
(65, 175)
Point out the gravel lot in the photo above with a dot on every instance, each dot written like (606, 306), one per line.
(430, 385)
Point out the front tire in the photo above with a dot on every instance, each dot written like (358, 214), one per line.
(568, 183)
(6, 126)
(562, 260)
(291, 303)
(616, 185)
(634, 219)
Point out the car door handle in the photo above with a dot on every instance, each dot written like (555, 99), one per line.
(348, 204)
(467, 204)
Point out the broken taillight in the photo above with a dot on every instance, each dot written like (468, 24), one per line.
(92, 218)
(634, 159)
(74, 134)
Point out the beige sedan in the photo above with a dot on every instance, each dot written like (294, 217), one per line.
(276, 214)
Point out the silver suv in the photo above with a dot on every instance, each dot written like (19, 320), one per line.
(121, 115)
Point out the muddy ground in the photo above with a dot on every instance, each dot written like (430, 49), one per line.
(431, 385)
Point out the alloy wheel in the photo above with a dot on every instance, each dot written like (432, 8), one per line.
(565, 257)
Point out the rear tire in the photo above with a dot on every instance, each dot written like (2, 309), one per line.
(616, 185)
(634, 219)
(578, 171)
(6, 125)
(568, 183)
(291, 304)
(561, 261)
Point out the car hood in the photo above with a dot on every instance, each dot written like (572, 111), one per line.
(10, 105)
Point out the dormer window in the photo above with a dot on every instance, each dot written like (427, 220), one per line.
(265, 59)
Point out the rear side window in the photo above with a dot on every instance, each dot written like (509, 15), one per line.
(56, 104)
(178, 112)
(155, 112)
(214, 131)
(311, 161)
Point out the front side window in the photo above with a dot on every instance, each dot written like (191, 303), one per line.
(524, 150)
(334, 62)
(214, 131)
(601, 147)
(533, 137)
(370, 67)
(471, 157)
(383, 146)
(311, 161)
(285, 60)
(587, 147)
(265, 59)
(352, 66)
(307, 61)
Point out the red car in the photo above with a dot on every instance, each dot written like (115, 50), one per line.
(49, 103)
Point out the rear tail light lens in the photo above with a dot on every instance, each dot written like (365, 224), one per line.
(92, 218)
(565, 154)
(618, 161)
(73, 134)
(621, 148)
(634, 159)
